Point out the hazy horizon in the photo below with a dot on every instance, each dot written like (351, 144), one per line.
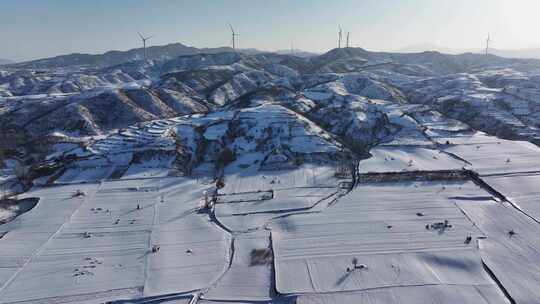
(61, 27)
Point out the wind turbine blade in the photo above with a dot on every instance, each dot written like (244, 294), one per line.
(149, 37)
(232, 30)
(140, 35)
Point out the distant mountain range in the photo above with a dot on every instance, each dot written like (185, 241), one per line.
(112, 58)
(524, 53)
(431, 47)
(533, 53)
(5, 61)
(169, 51)
(297, 53)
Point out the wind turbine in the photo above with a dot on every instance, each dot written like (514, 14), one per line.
(348, 33)
(144, 43)
(488, 40)
(339, 37)
(234, 34)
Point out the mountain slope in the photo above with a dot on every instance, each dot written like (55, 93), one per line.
(348, 93)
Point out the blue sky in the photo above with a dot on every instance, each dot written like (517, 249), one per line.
(41, 28)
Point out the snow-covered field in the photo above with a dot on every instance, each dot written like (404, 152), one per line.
(384, 228)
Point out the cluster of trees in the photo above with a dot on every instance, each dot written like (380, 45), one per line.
(225, 157)
(9, 142)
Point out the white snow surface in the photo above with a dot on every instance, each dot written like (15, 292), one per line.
(400, 159)
(98, 246)
(383, 233)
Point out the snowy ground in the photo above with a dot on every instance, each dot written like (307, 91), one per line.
(100, 247)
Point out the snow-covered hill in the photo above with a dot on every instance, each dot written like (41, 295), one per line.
(358, 98)
(263, 176)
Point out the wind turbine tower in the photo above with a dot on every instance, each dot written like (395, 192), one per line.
(348, 34)
(234, 34)
(339, 37)
(488, 40)
(144, 43)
